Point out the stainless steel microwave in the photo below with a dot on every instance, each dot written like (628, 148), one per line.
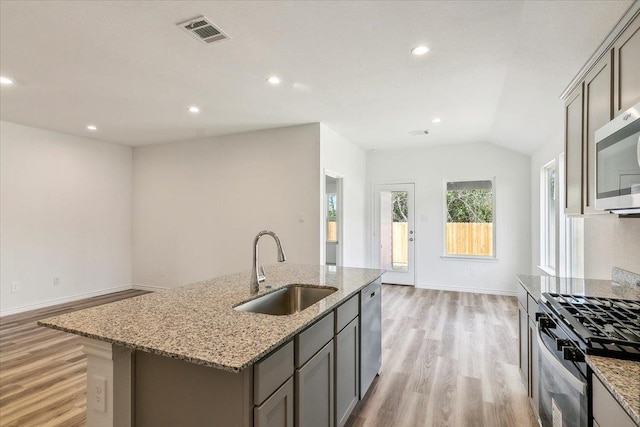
(618, 163)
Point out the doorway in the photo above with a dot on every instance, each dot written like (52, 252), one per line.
(333, 219)
(394, 231)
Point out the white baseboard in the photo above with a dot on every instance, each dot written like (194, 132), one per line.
(468, 289)
(149, 288)
(63, 300)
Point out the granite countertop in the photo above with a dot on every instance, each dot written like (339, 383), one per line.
(622, 379)
(536, 285)
(197, 322)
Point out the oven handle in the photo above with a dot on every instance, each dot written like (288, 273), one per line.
(576, 383)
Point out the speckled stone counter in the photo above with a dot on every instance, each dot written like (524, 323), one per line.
(622, 379)
(197, 322)
(536, 285)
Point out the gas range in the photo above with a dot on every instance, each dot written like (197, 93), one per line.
(599, 326)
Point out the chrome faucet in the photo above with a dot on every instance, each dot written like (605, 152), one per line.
(257, 278)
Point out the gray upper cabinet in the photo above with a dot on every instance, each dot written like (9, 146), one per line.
(573, 156)
(610, 86)
(627, 67)
(598, 111)
(314, 390)
(347, 371)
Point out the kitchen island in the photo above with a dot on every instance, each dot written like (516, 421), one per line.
(169, 342)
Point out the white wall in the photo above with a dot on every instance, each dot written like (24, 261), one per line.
(429, 168)
(198, 205)
(347, 159)
(65, 211)
(609, 241)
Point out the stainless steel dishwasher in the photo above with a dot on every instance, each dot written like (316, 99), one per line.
(370, 334)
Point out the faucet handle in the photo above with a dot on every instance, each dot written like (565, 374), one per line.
(262, 276)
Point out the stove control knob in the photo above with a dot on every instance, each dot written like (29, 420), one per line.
(560, 344)
(573, 354)
(546, 323)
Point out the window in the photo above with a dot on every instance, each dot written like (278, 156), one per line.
(548, 214)
(332, 225)
(470, 222)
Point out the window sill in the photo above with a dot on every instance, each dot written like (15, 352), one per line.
(468, 258)
(547, 270)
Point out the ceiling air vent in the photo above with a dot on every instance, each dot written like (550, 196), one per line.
(418, 132)
(202, 29)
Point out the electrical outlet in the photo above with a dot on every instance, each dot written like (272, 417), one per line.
(98, 393)
(56, 280)
(163, 271)
(472, 272)
(15, 286)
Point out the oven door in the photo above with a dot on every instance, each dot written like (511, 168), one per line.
(563, 387)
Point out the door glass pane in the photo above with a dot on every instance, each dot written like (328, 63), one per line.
(332, 225)
(399, 231)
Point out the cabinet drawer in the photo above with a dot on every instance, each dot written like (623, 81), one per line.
(606, 410)
(532, 307)
(522, 297)
(346, 313)
(311, 340)
(271, 372)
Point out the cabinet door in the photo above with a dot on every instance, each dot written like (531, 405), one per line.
(314, 390)
(347, 369)
(573, 154)
(607, 412)
(523, 337)
(277, 410)
(598, 111)
(534, 392)
(627, 67)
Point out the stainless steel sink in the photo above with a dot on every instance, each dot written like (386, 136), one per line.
(288, 300)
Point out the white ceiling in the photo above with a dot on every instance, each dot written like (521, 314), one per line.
(494, 73)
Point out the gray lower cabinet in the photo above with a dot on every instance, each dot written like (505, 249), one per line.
(607, 412)
(523, 336)
(347, 371)
(277, 410)
(314, 390)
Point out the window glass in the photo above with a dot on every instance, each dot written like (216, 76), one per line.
(332, 228)
(469, 228)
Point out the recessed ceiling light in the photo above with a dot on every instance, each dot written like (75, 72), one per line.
(92, 128)
(274, 80)
(436, 120)
(419, 50)
(6, 81)
(194, 109)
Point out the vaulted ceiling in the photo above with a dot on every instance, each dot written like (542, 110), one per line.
(494, 71)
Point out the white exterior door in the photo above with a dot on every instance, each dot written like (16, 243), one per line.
(395, 233)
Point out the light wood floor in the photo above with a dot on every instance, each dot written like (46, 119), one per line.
(448, 359)
(43, 372)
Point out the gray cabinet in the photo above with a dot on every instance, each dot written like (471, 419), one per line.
(277, 410)
(610, 87)
(598, 111)
(627, 67)
(573, 154)
(528, 346)
(314, 390)
(347, 369)
(606, 411)
(523, 339)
